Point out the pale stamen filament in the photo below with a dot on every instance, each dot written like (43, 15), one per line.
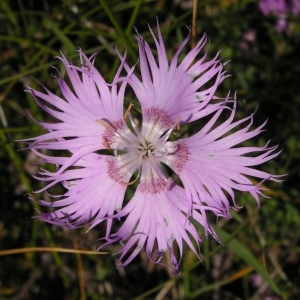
(137, 131)
(137, 176)
(156, 167)
(178, 124)
(162, 140)
(168, 185)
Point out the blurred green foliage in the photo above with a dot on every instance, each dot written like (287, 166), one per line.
(262, 254)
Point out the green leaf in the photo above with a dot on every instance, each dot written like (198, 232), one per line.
(244, 253)
(60, 35)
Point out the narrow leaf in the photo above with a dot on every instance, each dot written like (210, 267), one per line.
(244, 253)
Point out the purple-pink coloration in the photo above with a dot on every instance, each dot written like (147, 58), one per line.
(275, 7)
(280, 9)
(110, 150)
(295, 7)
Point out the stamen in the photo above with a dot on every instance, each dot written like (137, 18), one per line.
(131, 182)
(163, 139)
(178, 124)
(106, 125)
(156, 167)
(106, 144)
(137, 131)
(137, 177)
(127, 111)
(168, 184)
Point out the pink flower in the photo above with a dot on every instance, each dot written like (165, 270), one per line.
(295, 7)
(109, 151)
(280, 9)
(275, 7)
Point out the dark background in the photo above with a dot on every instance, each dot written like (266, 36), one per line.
(265, 68)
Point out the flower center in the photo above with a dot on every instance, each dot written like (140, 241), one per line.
(140, 150)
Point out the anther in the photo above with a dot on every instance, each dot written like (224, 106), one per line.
(106, 144)
(106, 125)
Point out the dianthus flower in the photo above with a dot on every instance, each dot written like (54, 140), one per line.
(178, 178)
(280, 9)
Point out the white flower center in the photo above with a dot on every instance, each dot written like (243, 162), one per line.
(142, 150)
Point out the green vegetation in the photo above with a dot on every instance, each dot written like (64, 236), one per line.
(261, 247)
